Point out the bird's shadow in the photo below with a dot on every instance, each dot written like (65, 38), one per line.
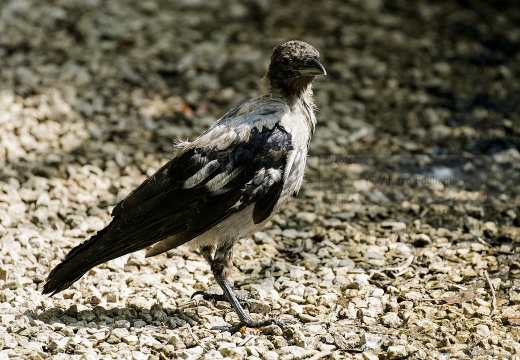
(114, 317)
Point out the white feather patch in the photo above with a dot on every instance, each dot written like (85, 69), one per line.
(200, 175)
(218, 182)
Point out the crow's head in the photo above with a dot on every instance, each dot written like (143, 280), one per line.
(294, 64)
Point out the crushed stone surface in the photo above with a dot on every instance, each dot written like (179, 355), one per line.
(403, 242)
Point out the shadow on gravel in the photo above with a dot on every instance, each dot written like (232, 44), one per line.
(116, 317)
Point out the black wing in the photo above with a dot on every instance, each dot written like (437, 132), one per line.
(188, 196)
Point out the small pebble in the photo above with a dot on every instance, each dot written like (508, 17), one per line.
(393, 225)
(397, 352)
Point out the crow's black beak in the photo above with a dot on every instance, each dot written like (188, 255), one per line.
(312, 67)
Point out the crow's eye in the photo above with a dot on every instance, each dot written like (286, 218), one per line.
(285, 61)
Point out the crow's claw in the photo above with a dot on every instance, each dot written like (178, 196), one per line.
(242, 299)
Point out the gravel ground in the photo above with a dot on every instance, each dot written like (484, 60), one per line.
(403, 242)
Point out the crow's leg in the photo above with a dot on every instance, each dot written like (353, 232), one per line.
(219, 264)
(207, 253)
(245, 319)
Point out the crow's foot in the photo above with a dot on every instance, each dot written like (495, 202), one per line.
(242, 299)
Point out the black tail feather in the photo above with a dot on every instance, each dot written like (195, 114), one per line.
(108, 244)
(73, 267)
